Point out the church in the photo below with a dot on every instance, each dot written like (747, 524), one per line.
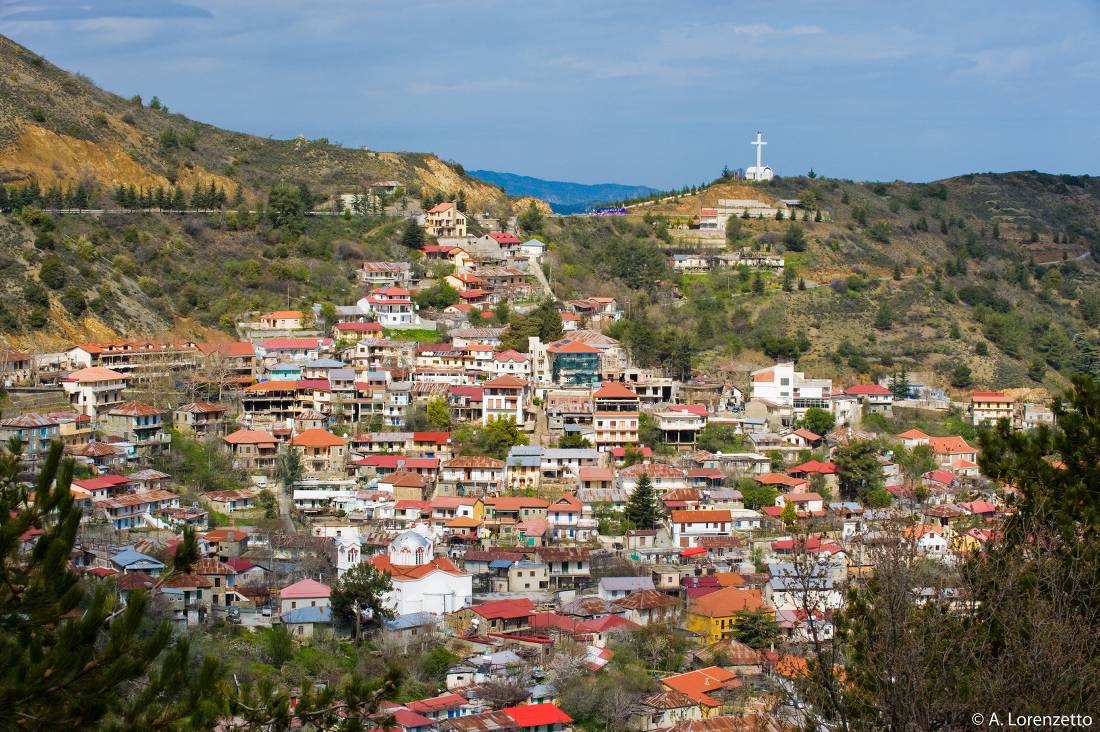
(422, 582)
(759, 172)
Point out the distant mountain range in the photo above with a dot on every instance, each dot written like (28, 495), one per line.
(563, 196)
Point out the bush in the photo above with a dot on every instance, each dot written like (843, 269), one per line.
(52, 273)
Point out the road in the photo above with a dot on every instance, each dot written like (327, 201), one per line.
(285, 505)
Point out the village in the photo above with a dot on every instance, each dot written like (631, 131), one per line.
(533, 499)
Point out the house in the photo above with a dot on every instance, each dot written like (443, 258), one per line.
(303, 622)
(873, 397)
(663, 710)
(473, 474)
(94, 389)
(988, 407)
(355, 332)
(690, 263)
(913, 438)
(713, 615)
(422, 582)
(796, 585)
(130, 561)
(951, 449)
(200, 418)
(804, 438)
(304, 593)
(615, 588)
(445, 220)
(381, 274)
(138, 424)
(414, 631)
(392, 306)
(253, 450)
(497, 616)
(615, 416)
(504, 397)
(323, 453)
(929, 540)
(647, 606)
(708, 687)
(689, 526)
(282, 320)
(228, 501)
(664, 477)
(35, 432)
(132, 511)
(804, 503)
(222, 578)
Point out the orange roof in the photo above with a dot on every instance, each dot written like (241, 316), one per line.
(284, 314)
(505, 381)
(763, 376)
(271, 386)
(614, 390)
(404, 478)
(950, 445)
(912, 435)
(780, 479)
(570, 346)
(708, 516)
(462, 522)
(441, 207)
(316, 438)
(726, 602)
(730, 579)
(95, 373)
(701, 683)
(249, 437)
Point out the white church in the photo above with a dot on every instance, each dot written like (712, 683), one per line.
(759, 172)
(422, 582)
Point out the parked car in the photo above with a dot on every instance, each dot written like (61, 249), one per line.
(266, 611)
(234, 615)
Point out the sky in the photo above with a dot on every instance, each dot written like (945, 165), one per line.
(656, 93)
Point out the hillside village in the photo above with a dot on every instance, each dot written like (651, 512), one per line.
(534, 498)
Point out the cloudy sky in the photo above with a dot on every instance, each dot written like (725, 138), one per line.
(651, 92)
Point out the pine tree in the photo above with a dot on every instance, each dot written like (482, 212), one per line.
(641, 508)
(66, 670)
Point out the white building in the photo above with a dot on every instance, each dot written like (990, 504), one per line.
(689, 526)
(392, 306)
(782, 385)
(422, 582)
(92, 390)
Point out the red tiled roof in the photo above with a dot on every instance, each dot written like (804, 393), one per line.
(536, 715)
(504, 609)
(306, 588)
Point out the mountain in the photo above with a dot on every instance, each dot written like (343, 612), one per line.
(563, 196)
(58, 127)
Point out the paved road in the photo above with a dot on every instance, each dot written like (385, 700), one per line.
(285, 505)
(536, 269)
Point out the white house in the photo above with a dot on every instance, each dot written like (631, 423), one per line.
(689, 526)
(781, 384)
(94, 389)
(392, 306)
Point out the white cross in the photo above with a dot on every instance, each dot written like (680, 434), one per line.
(759, 142)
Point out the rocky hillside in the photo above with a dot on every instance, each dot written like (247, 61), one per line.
(56, 126)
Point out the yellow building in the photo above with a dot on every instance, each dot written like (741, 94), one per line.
(713, 616)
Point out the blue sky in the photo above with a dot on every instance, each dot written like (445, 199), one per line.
(657, 93)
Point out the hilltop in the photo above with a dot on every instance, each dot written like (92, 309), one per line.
(985, 279)
(59, 127)
(564, 197)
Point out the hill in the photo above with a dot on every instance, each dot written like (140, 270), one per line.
(59, 128)
(563, 197)
(981, 280)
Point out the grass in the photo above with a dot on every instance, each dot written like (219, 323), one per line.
(420, 335)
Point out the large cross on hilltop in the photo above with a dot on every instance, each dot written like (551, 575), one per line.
(759, 142)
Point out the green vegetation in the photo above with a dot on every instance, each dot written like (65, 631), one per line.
(642, 508)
